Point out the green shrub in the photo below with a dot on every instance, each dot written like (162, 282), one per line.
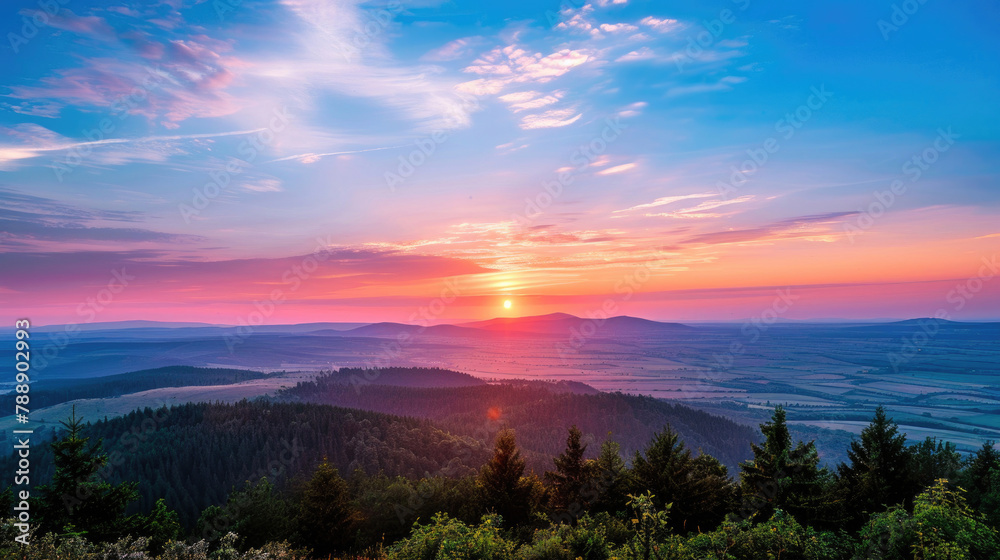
(74, 547)
(942, 527)
(586, 541)
(445, 538)
(779, 537)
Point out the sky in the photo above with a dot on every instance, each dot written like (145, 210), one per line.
(307, 160)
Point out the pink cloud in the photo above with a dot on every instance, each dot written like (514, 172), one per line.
(815, 226)
(453, 50)
(146, 48)
(190, 80)
(662, 25)
(85, 25)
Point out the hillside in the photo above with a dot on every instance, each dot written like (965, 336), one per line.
(539, 412)
(195, 454)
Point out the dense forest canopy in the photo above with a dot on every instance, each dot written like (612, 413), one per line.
(540, 412)
(287, 479)
(195, 454)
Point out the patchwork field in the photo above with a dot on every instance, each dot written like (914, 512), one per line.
(829, 376)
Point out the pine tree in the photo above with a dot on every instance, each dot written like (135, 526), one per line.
(934, 459)
(879, 474)
(162, 525)
(571, 477)
(504, 488)
(699, 488)
(256, 512)
(981, 478)
(783, 476)
(79, 499)
(611, 476)
(327, 516)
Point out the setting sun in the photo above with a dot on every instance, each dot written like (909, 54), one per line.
(507, 304)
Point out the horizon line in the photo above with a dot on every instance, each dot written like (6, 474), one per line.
(465, 322)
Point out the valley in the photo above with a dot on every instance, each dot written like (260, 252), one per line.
(829, 376)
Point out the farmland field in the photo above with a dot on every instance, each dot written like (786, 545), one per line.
(829, 376)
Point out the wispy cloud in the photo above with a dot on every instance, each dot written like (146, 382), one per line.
(310, 157)
(662, 201)
(661, 25)
(723, 84)
(701, 210)
(40, 141)
(550, 119)
(617, 169)
(37, 223)
(453, 50)
(814, 227)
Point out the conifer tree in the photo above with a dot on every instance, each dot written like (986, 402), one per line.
(611, 478)
(504, 488)
(257, 512)
(981, 478)
(571, 477)
(162, 525)
(80, 499)
(934, 459)
(327, 516)
(783, 476)
(879, 474)
(699, 488)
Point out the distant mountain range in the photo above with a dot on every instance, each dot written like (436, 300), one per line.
(930, 324)
(554, 324)
(161, 325)
(564, 323)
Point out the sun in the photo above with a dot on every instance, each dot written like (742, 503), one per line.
(507, 303)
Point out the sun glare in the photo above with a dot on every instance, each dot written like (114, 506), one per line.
(507, 303)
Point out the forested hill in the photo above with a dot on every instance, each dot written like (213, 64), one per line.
(403, 377)
(195, 454)
(540, 413)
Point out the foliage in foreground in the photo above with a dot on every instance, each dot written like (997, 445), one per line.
(669, 504)
(53, 547)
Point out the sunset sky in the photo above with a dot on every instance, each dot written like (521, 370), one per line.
(345, 161)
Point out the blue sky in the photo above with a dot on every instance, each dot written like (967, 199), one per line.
(317, 106)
